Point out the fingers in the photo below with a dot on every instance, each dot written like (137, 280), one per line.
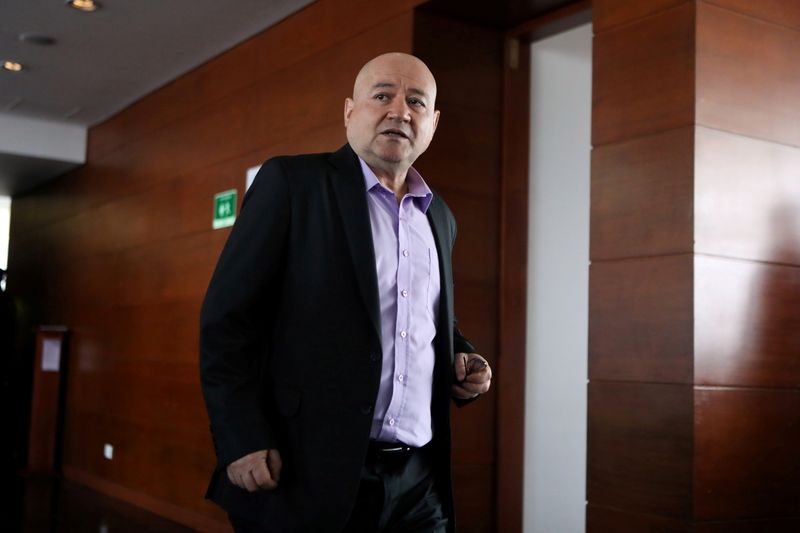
(461, 366)
(258, 470)
(462, 394)
(275, 464)
(473, 374)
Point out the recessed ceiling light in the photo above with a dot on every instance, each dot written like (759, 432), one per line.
(13, 66)
(83, 5)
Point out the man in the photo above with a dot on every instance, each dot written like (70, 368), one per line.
(329, 350)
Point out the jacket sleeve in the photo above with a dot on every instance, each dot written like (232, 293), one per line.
(236, 313)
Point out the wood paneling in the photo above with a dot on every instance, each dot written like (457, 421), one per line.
(640, 88)
(746, 443)
(308, 33)
(609, 13)
(748, 76)
(747, 323)
(768, 525)
(640, 448)
(474, 502)
(513, 288)
(783, 12)
(747, 201)
(608, 520)
(642, 196)
(463, 165)
(640, 320)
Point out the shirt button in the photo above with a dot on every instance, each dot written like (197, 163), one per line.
(401, 377)
(403, 334)
(404, 293)
(405, 253)
(391, 421)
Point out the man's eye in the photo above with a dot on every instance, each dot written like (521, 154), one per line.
(381, 97)
(416, 102)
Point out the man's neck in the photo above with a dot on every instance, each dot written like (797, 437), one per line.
(394, 180)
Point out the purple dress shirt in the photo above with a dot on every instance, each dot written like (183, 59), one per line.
(407, 265)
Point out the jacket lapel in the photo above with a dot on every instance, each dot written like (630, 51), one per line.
(441, 234)
(348, 184)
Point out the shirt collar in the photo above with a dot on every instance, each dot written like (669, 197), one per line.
(417, 187)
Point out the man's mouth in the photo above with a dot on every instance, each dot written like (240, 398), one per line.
(398, 134)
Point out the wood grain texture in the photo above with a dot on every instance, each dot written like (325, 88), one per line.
(609, 13)
(748, 76)
(643, 196)
(747, 198)
(640, 320)
(747, 323)
(643, 76)
(640, 448)
(746, 443)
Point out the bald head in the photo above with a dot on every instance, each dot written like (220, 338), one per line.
(391, 117)
(394, 62)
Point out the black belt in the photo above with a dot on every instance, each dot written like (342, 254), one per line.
(388, 452)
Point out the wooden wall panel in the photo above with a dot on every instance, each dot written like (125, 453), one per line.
(640, 320)
(766, 525)
(463, 165)
(748, 76)
(609, 13)
(746, 443)
(747, 201)
(640, 447)
(607, 520)
(784, 12)
(642, 196)
(636, 89)
(747, 323)
(306, 34)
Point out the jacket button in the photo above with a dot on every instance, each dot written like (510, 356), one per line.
(366, 409)
(373, 357)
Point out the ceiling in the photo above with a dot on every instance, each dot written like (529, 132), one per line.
(103, 61)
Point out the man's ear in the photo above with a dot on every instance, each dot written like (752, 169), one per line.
(348, 110)
(435, 120)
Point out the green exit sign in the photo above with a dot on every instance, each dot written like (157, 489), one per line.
(224, 209)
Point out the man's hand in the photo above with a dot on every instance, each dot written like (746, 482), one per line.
(258, 470)
(473, 374)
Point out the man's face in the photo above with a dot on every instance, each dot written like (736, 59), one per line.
(391, 118)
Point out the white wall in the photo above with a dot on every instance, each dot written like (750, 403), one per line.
(558, 284)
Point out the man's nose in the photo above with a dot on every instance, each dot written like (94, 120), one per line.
(399, 110)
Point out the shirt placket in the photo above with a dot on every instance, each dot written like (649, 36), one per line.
(403, 325)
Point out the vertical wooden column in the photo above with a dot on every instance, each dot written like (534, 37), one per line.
(463, 165)
(694, 332)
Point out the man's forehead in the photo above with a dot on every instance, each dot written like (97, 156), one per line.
(413, 80)
(410, 86)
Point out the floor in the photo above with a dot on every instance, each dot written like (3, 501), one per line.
(50, 505)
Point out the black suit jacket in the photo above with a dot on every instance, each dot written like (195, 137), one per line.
(290, 341)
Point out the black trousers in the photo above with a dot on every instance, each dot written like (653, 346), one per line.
(396, 495)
